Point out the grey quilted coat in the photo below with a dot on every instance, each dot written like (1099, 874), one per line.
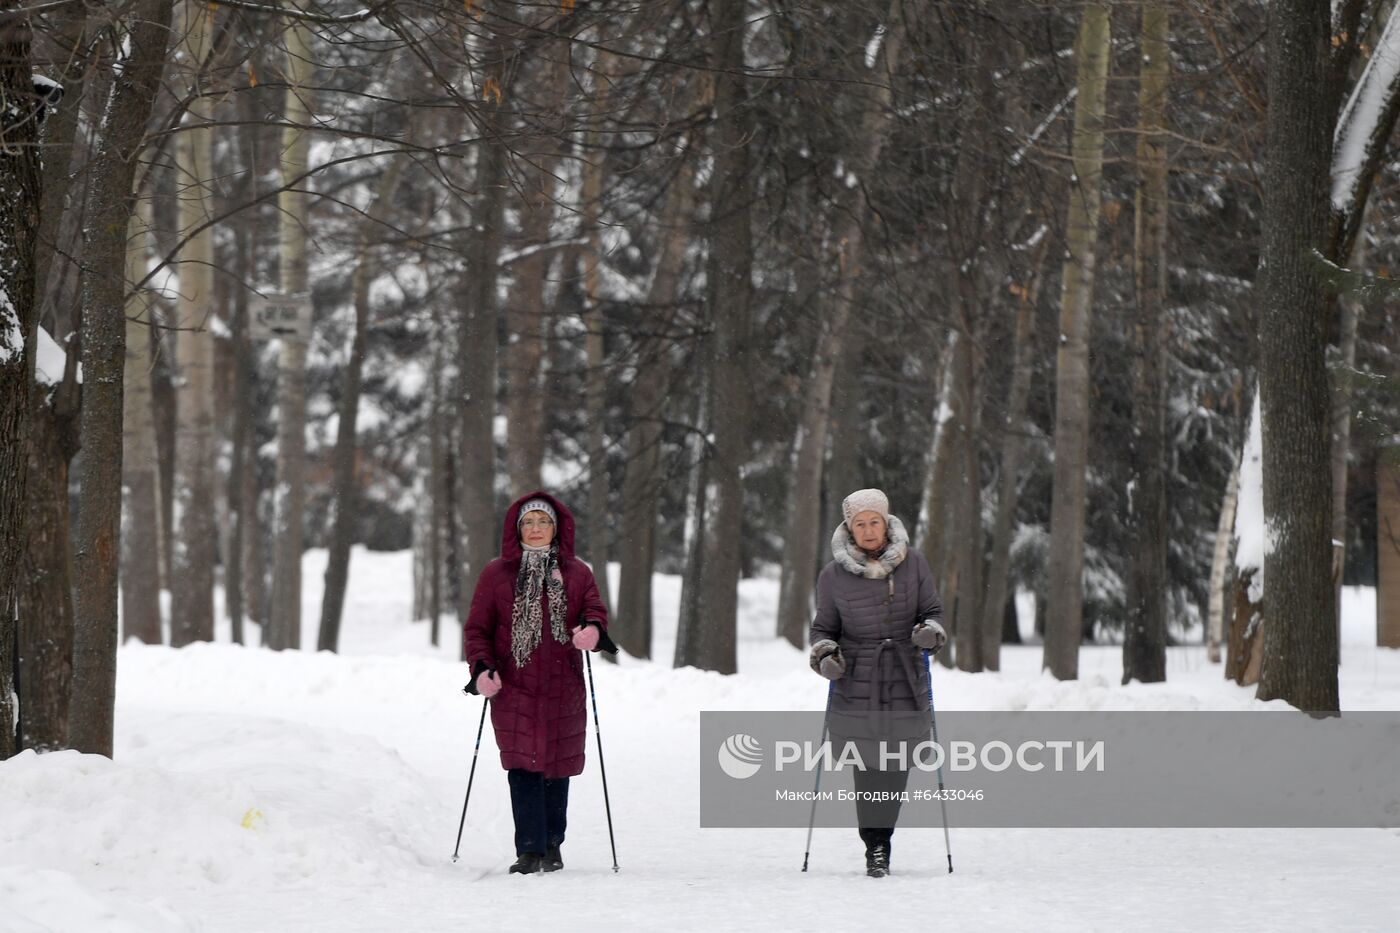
(869, 606)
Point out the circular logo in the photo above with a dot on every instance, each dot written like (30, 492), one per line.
(740, 756)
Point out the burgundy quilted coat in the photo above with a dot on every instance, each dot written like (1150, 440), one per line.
(540, 717)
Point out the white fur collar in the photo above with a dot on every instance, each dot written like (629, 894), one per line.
(854, 560)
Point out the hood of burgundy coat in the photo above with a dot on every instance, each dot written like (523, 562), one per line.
(511, 549)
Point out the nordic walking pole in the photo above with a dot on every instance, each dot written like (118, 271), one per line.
(602, 768)
(933, 724)
(812, 820)
(470, 777)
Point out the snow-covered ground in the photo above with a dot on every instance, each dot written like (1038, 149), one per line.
(255, 790)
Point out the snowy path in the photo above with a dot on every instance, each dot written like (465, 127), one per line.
(295, 791)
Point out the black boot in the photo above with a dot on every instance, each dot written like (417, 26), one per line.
(527, 864)
(877, 852)
(877, 860)
(553, 861)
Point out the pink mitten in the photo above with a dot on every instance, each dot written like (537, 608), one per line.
(586, 637)
(488, 684)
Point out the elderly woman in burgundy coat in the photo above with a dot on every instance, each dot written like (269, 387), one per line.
(534, 609)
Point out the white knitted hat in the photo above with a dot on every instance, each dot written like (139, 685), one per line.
(865, 500)
(536, 505)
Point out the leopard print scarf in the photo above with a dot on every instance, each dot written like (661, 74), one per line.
(539, 570)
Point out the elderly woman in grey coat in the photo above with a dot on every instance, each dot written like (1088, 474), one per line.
(877, 613)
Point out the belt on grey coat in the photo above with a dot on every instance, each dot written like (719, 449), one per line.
(878, 685)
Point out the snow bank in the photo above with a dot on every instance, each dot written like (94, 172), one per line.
(43, 900)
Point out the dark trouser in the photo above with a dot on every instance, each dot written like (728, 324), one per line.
(876, 818)
(540, 806)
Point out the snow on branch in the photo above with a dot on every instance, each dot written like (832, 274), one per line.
(1365, 118)
(1039, 131)
(306, 15)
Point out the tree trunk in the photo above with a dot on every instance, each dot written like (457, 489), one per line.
(1300, 642)
(689, 615)
(525, 317)
(20, 186)
(61, 146)
(284, 621)
(45, 642)
(192, 561)
(109, 208)
(345, 493)
(1010, 623)
(1244, 652)
(1352, 307)
(933, 510)
(809, 449)
(1387, 518)
(641, 483)
(42, 641)
(994, 628)
(437, 482)
(140, 570)
(255, 595)
(477, 340)
(968, 557)
(1145, 629)
(595, 406)
(241, 460)
(1065, 569)
(164, 374)
(706, 637)
(847, 438)
(9, 698)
